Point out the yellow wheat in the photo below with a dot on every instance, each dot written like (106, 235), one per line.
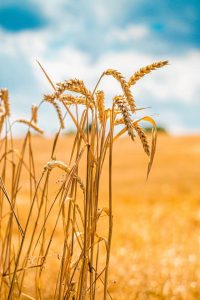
(100, 105)
(73, 85)
(123, 107)
(145, 70)
(5, 99)
(58, 111)
(61, 165)
(71, 100)
(118, 76)
(143, 138)
(31, 124)
(34, 113)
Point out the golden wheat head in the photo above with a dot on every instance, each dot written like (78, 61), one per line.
(146, 70)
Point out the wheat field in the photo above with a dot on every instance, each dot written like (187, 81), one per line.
(82, 215)
(156, 234)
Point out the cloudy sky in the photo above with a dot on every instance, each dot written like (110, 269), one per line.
(83, 38)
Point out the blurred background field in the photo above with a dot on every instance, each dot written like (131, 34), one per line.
(156, 237)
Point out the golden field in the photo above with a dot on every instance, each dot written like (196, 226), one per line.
(156, 234)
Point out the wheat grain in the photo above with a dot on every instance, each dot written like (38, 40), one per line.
(119, 121)
(145, 70)
(50, 97)
(122, 105)
(118, 76)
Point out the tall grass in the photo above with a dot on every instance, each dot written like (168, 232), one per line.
(70, 207)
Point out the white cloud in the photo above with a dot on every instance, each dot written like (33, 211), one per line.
(179, 82)
(130, 33)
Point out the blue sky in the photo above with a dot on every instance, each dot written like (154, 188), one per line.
(83, 38)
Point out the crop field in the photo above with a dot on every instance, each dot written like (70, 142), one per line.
(156, 233)
(87, 215)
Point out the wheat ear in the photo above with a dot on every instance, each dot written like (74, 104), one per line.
(34, 113)
(145, 70)
(118, 76)
(143, 138)
(5, 98)
(58, 111)
(123, 107)
(70, 100)
(59, 114)
(31, 124)
(61, 165)
(100, 99)
(74, 85)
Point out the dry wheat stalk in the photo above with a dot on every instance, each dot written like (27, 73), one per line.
(145, 70)
(100, 105)
(31, 124)
(61, 165)
(118, 76)
(122, 105)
